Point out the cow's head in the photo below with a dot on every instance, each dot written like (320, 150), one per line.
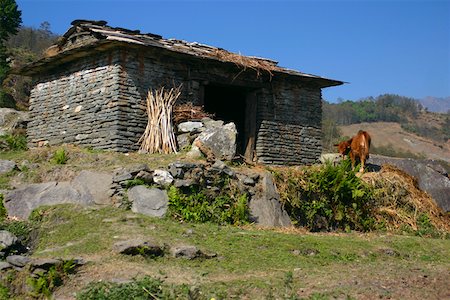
(344, 147)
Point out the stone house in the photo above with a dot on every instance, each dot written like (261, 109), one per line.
(90, 90)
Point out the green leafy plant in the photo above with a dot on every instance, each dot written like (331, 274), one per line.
(327, 197)
(3, 212)
(425, 227)
(44, 283)
(196, 206)
(60, 157)
(13, 142)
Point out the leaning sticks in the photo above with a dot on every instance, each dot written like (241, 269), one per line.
(159, 135)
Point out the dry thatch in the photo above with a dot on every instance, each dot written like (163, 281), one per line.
(159, 135)
(401, 202)
(258, 65)
(187, 111)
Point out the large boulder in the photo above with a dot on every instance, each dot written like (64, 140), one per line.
(265, 206)
(217, 142)
(95, 185)
(88, 188)
(148, 201)
(431, 176)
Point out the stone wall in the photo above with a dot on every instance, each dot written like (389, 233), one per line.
(100, 102)
(289, 118)
(77, 104)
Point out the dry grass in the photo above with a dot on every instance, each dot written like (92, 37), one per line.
(400, 200)
(187, 111)
(258, 65)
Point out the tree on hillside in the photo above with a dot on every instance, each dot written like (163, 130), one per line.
(10, 19)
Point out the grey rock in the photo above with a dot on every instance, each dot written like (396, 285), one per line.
(184, 140)
(265, 206)
(7, 240)
(88, 188)
(11, 119)
(189, 126)
(218, 142)
(194, 153)
(146, 176)
(122, 177)
(176, 172)
(5, 265)
(184, 183)
(138, 247)
(148, 201)
(7, 166)
(220, 167)
(18, 260)
(210, 123)
(138, 168)
(21, 202)
(189, 252)
(94, 185)
(430, 175)
(162, 177)
(44, 263)
(246, 180)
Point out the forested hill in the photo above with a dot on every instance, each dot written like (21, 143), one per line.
(26, 46)
(407, 112)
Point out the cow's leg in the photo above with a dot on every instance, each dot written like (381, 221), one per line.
(361, 170)
(352, 158)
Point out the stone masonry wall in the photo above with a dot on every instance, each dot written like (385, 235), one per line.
(100, 102)
(289, 125)
(77, 104)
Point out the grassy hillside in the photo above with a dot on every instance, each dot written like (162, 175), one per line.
(251, 263)
(401, 125)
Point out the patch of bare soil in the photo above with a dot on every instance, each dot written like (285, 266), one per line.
(389, 133)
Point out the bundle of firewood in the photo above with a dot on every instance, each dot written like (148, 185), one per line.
(159, 135)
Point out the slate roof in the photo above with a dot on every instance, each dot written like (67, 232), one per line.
(105, 35)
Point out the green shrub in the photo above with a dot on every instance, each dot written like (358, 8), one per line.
(44, 283)
(425, 226)
(327, 197)
(196, 206)
(3, 212)
(13, 142)
(4, 293)
(60, 157)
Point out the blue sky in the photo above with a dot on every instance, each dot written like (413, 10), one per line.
(384, 46)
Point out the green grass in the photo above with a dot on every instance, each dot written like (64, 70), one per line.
(249, 260)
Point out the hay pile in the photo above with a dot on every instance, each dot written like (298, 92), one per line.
(399, 201)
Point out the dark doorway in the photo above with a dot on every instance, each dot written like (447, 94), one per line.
(228, 103)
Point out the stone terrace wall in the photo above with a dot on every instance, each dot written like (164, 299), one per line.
(290, 119)
(77, 104)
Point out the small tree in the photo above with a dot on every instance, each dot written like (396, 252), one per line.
(10, 19)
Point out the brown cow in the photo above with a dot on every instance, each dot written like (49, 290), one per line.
(357, 148)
